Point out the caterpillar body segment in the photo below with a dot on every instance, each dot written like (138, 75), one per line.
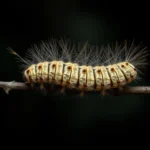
(82, 77)
(31, 74)
(90, 78)
(40, 72)
(112, 70)
(67, 74)
(45, 71)
(128, 71)
(98, 78)
(116, 75)
(82, 68)
(74, 75)
(106, 78)
(59, 72)
(52, 70)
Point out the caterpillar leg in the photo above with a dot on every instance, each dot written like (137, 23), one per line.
(117, 91)
(31, 84)
(62, 91)
(103, 92)
(120, 88)
(82, 93)
(41, 86)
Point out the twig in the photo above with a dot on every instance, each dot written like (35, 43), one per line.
(135, 90)
(12, 85)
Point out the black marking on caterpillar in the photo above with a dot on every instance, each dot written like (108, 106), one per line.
(83, 67)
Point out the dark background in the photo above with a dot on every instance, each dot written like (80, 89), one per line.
(70, 118)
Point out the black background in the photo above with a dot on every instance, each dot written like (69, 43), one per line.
(70, 118)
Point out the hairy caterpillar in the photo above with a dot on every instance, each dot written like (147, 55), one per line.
(83, 67)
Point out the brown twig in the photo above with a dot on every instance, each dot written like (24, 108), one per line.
(12, 85)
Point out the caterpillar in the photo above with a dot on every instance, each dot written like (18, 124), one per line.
(83, 67)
